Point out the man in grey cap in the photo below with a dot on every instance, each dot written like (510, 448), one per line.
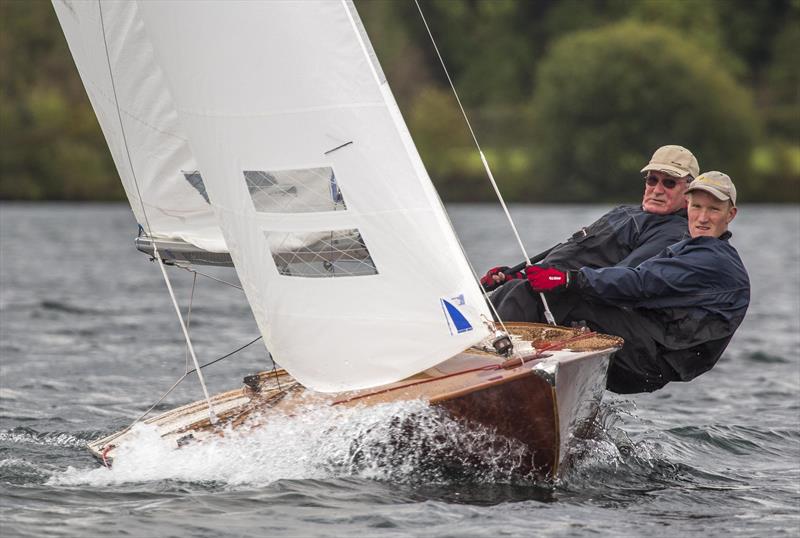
(676, 311)
(714, 205)
(626, 236)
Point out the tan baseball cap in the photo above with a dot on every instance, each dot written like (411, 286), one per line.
(716, 183)
(676, 161)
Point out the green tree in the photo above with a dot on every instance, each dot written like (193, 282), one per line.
(606, 98)
(52, 146)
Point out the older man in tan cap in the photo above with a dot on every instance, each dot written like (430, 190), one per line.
(667, 175)
(625, 236)
(676, 311)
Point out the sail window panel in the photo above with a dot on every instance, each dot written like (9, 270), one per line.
(307, 190)
(331, 254)
(196, 181)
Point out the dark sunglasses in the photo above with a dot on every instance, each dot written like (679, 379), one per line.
(668, 183)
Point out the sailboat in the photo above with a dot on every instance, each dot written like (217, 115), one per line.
(264, 136)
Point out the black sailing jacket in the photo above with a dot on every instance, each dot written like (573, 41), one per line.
(627, 235)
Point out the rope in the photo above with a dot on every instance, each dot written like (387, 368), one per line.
(251, 342)
(547, 314)
(415, 383)
(180, 379)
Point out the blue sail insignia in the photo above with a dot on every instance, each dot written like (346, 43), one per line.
(455, 319)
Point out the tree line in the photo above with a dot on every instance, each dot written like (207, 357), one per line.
(568, 98)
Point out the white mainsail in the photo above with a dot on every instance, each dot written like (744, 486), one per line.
(138, 118)
(343, 248)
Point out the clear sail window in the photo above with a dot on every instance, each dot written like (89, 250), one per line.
(295, 191)
(196, 181)
(329, 254)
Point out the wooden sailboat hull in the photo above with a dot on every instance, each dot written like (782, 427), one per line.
(541, 409)
(540, 403)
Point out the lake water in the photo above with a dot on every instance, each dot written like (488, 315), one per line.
(88, 339)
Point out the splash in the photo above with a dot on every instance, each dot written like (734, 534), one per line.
(610, 459)
(23, 435)
(407, 442)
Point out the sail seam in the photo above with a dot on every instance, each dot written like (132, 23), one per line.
(320, 108)
(345, 216)
(98, 91)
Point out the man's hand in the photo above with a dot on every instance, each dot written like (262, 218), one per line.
(546, 278)
(496, 276)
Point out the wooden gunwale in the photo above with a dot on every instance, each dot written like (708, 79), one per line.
(507, 365)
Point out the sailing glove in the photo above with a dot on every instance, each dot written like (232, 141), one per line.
(544, 278)
(489, 283)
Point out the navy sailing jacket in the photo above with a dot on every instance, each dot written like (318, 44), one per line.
(694, 294)
(627, 235)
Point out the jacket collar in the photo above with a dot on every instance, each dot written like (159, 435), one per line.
(681, 212)
(724, 237)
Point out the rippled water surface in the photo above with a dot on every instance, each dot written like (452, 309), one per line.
(89, 340)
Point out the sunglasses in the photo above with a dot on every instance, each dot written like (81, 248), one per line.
(668, 183)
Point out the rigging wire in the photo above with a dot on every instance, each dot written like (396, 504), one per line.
(275, 371)
(211, 415)
(196, 272)
(237, 350)
(184, 376)
(156, 253)
(187, 371)
(189, 320)
(547, 313)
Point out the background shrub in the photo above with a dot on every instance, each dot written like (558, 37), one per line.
(606, 98)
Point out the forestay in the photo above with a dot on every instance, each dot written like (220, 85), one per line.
(129, 95)
(348, 260)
